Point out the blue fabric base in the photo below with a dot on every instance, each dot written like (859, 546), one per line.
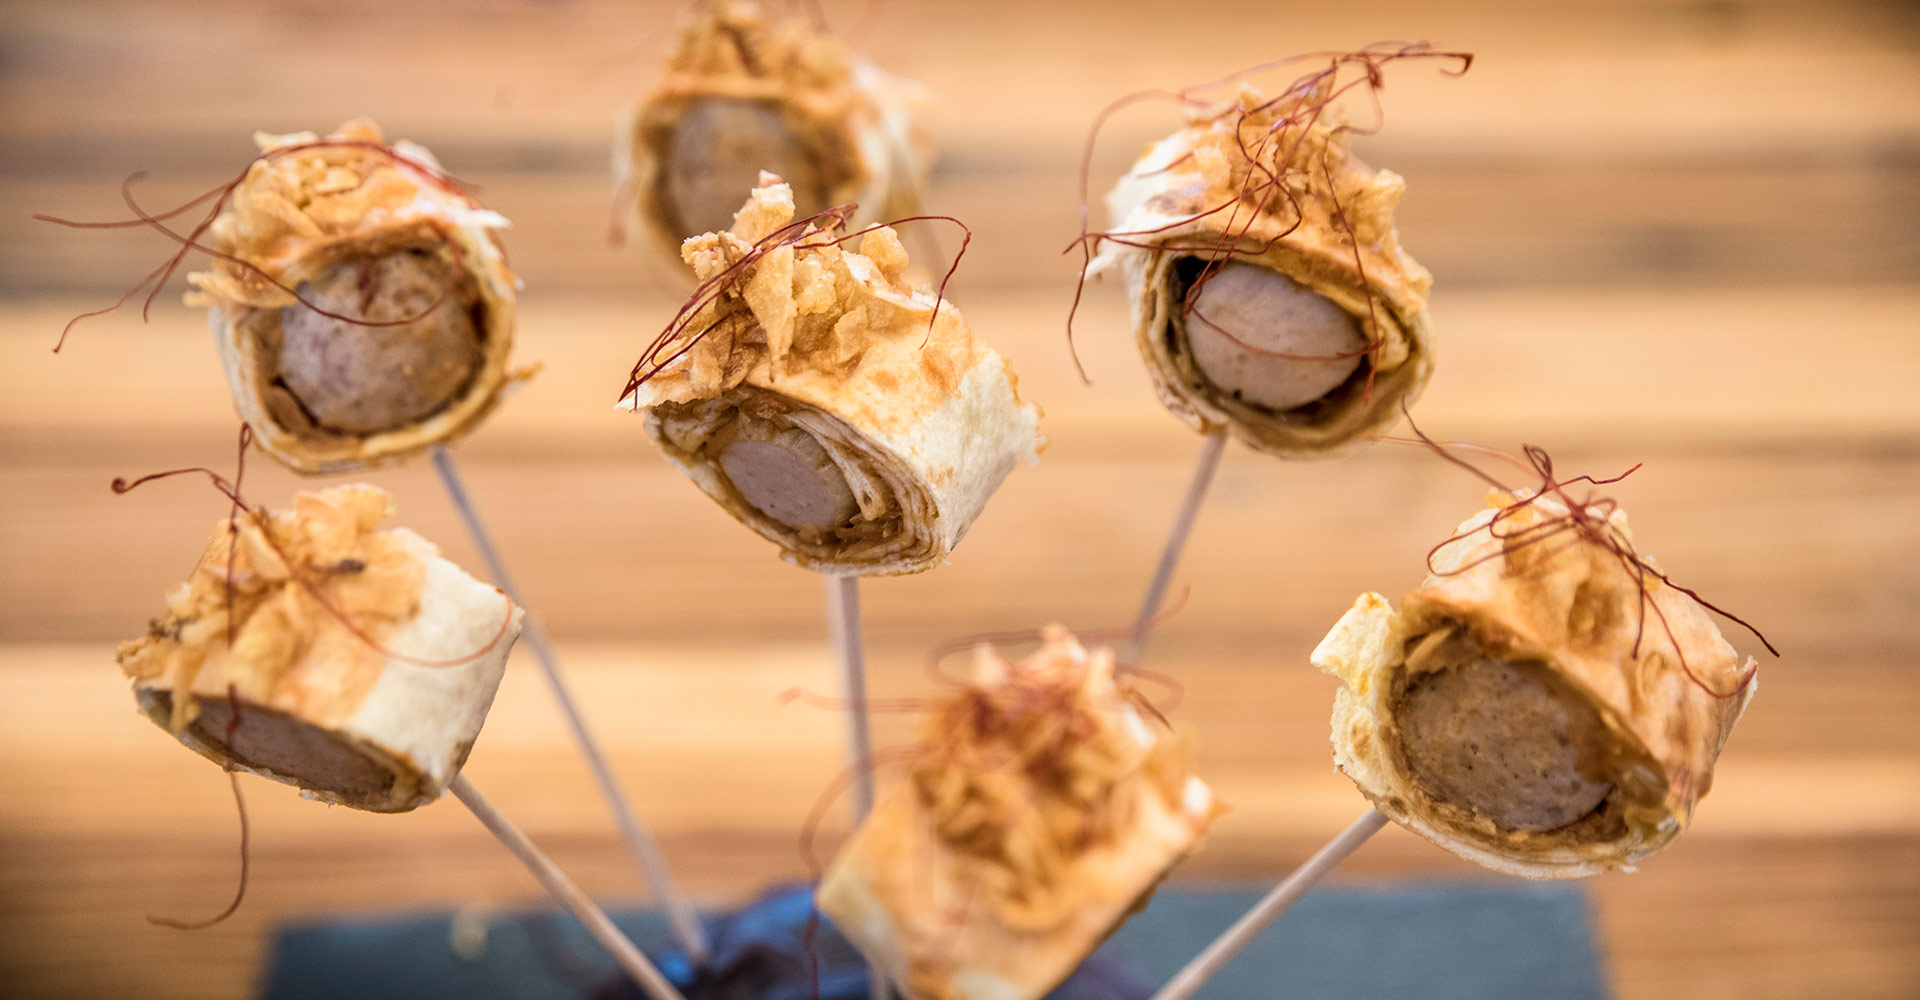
(1442, 942)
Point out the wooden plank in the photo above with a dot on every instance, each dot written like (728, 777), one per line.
(1803, 854)
(1838, 926)
(1587, 77)
(1555, 365)
(1473, 220)
(1662, 230)
(676, 717)
(615, 552)
(1802, 462)
(1755, 144)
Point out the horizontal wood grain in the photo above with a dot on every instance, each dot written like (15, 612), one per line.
(1751, 143)
(1668, 231)
(1803, 461)
(1761, 887)
(1473, 220)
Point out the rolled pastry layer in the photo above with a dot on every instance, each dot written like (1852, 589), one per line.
(1504, 714)
(379, 720)
(1252, 308)
(743, 96)
(409, 344)
(1041, 813)
(821, 410)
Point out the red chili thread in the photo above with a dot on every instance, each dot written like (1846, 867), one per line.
(240, 806)
(233, 522)
(1588, 521)
(711, 289)
(1307, 99)
(798, 235)
(220, 195)
(1375, 338)
(1176, 691)
(981, 709)
(259, 517)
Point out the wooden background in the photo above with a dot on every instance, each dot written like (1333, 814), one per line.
(1677, 232)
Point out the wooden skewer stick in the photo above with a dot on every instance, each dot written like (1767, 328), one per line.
(849, 648)
(1280, 900)
(1197, 487)
(556, 882)
(653, 863)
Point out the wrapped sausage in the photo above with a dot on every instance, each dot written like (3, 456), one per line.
(1546, 704)
(1269, 292)
(742, 95)
(311, 647)
(1040, 813)
(360, 300)
(845, 415)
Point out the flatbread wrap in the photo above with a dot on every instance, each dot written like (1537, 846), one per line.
(360, 300)
(1539, 705)
(744, 94)
(821, 399)
(1043, 808)
(314, 648)
(1270, 296)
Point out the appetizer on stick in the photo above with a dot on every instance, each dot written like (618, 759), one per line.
(1270, 295)
(312, 647)
(1548, 703)
(744, 95)
(1043, 808)
(360, 299)
(846, 415)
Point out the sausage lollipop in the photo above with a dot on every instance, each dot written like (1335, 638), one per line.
(314, 648)
(1548, 703)
(1270, 295)
(821, 399)
(742, 95)
(360, 300)
(1046, 802)
(364, 313)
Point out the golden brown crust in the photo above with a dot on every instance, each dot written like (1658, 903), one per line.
(860, 125)
(1040, 811)
(329, 539)
(816, 320)
(361, 666)
(1668, 693)
(923, 419)
(1328, 226)
(308, 203)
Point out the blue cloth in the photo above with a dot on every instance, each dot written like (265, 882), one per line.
(1499, 941)
(761, 953)
(1434, 942)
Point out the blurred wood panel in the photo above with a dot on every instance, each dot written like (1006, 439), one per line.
(1664, 230)
(1674, 74)
(1473, 220)
(1806, 460)
(1672, 142)
(1806, 857)
(1786, 364)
